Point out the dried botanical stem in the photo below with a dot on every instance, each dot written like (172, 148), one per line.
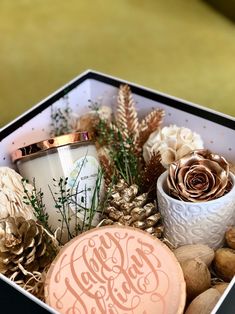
(126, 116)
(151, 173)
(149, 124)
(34, 284)
(125, 137)
(108, 169)
(169, 244)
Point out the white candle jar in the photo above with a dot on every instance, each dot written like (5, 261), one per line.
(72, 160)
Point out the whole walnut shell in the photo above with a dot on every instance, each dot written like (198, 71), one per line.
(194, 251)
(230, 237)
(199, 176)
(197, 277)
(204, 303)
(221, 287)
(225, 263)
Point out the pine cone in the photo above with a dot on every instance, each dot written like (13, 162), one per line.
(24, 247)
(128, 208)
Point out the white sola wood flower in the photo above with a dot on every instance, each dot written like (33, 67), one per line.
(172, 142)
(11, 195)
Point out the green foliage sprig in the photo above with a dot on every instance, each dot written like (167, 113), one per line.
(66, 198)
(67, 205)
(35, 199)
(61, 204)
(121, 151)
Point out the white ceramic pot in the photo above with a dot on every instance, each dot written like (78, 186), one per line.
(191, 223)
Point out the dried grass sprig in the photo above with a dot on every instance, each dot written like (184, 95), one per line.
(34, 284)
(171, 246)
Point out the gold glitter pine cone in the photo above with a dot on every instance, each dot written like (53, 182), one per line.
(24, 247)
(127, 207)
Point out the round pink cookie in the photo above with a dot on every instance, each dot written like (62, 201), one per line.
(115, 270)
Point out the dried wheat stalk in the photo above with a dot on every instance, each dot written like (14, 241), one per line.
(126, 116)
(149, 124)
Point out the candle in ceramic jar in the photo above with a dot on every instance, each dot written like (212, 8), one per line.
(72, 160)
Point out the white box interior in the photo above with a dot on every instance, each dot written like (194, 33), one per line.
(217, 137)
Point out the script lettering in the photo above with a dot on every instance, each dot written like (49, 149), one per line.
(114, 271)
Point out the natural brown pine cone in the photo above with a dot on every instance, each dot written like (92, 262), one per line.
(127, 208)
(24, 247)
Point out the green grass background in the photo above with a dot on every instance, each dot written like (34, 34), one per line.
(180, 47)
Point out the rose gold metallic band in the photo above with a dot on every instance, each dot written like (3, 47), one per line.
(54, 142)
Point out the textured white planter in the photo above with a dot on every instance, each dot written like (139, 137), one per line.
(190, 223)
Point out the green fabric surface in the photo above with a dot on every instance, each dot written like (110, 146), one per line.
(180, 47)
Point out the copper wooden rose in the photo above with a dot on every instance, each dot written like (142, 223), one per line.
(199, 176)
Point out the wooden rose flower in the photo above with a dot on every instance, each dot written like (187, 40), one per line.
(172, 142)
(199, 176)
(12, 195)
